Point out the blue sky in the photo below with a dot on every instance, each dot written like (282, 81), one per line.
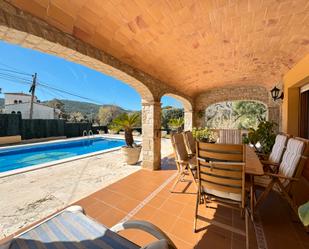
(65, 75)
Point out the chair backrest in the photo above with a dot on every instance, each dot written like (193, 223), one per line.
(230, 136)
(278, 148)
(220, 152)
(179, 147)
(190, 142)
(292, 157)
(225, 171)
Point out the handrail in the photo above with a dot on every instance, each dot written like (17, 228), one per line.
(85, 133)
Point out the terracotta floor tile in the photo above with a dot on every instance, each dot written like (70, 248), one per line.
(172, 207)
(85, 202)
(157, 201)
(143, 238)
(127, 204)
(111, 217)
(145, 213)
(165, 221)
(181, 244)
(184, 198)
(109, 197)
(184, 230)
(187, 213)
(96, 209)
(139, 195)
(212, 239)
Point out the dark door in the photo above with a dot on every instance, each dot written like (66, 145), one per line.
(304, 115)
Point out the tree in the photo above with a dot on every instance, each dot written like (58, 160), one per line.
(107, 114)
(76, 117)
(170, 113)
(235, 114)
(127, 122)
(176, 124)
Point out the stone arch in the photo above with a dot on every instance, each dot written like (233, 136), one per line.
(188, 110)
(21, 28)
(250, 93)
(26, 40)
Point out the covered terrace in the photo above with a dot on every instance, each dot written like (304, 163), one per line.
(201, 52)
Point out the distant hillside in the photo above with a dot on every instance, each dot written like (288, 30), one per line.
(83, 107)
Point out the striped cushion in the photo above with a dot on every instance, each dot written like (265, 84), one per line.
(68, 230)
(221, 194)
(291, 157)
(288, 165)
(229, 136)
(278, 148)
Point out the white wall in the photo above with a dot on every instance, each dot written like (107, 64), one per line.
(10, 98)
(39, 111)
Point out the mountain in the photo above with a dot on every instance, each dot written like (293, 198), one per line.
(83, 107)
(76, 106)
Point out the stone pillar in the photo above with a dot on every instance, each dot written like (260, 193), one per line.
(274, 115)
(188, 120)
(151, 129)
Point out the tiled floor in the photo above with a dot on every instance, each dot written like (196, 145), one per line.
(174, 212)
(145, 195)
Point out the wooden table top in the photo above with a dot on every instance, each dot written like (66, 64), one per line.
(253, 164)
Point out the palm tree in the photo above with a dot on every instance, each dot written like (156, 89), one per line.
(176, 124)
(127, 122)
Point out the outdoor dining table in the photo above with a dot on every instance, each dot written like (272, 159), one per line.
(253, 167)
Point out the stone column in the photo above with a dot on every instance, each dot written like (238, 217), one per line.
(188, 120)
(151, 129)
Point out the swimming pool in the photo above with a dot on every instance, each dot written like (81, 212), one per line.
(24, 158)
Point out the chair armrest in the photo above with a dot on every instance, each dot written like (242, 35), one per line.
(144, 226)
(281, 176)
(268, 163)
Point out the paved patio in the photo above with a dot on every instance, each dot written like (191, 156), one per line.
(145, 195)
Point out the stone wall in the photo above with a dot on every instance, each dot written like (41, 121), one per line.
(256, 93)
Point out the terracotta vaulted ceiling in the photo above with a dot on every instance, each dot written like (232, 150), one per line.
(192, 45)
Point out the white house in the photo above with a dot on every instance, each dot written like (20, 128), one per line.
(20, 103)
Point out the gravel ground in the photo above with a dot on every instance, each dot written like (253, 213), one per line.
(31, 196)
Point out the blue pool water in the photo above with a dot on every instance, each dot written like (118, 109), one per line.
(16, 158)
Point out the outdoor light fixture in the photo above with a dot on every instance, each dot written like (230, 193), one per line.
(275, 94)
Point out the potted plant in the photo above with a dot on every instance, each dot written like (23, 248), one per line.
(204, 135)
(264, 134)
(127, 122)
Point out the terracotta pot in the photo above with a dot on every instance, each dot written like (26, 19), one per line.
(131, 155)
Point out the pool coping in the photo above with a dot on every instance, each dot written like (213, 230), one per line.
(56, 162)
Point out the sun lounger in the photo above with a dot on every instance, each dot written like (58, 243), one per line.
(71, 228)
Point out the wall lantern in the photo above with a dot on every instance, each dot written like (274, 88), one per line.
(275, 94)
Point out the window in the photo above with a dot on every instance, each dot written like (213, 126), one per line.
(235, 115)
(20, 102)
(13, 112)
(18, 112)
(15, 101)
